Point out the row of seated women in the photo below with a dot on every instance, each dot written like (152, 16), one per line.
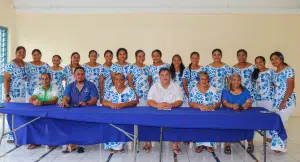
(272, 89)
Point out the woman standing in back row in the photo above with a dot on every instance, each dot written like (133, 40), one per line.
(156, 66)
(69, 69)
(219, 72)
(121, 66)
(245, 70)
(57, 76)
(105, 76)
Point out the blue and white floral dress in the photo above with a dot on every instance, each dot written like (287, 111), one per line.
(33, 80)
(210, 98)
(246, 77)
(140, 82)
(192, 77)
(121, 69)
(113, 96)
(68, 74)
(154, 71)
(17, 90)
(265, 89)
(217, 77)
(281, 84)
(92, 74)
(57, 80)
(105, 72)
(178, 81)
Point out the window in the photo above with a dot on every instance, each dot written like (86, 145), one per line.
(3, 58)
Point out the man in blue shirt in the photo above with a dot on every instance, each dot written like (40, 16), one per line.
(81, 92)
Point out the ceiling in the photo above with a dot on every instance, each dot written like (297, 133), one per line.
(157, 6)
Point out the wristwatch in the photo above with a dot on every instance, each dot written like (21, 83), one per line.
(7, 95)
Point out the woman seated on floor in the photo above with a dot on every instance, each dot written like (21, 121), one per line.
(237, 98)
(119, 96)
(205, 98)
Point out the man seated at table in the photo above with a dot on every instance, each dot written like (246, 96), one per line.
(45, 94)
(80, 93)
(165, 95)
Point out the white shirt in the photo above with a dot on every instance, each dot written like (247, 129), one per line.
(159, 94)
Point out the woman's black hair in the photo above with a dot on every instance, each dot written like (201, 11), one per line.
(108, 51)
(137, 52)
(56, 56)
(36, 50)
(190, 65)
(217, 50)
(91, 51)
(241, 86)
(280, 55)
(74, 53)
(256, 71)
(20, 48)
(158, 51)
(241, 50)
(172, 68)
(122, 49)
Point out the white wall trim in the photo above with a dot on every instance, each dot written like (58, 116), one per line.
(168, 10)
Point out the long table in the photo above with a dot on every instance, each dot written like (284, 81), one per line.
(53, 125)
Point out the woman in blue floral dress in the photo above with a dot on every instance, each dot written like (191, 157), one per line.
(121, 66)
(138, 78)
(34, 70)
(219, 72)
(206, 98)
(156, 66)
(176, 70)
(119, 96)
(190, 75)
(245, 70)
(93, 69)
(69, 69)
(57, 76)
(14, 81)
(284, 101)
(105, 75)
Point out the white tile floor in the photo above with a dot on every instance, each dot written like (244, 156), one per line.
(96, 153)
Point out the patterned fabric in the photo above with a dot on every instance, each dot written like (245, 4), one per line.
(87, 92)
(121, 69)
(57, 79)
(68, 75)
(113, 96)
(280, 80)
(17, 89)
(140, 81)
(154, 71)
(211, 97)
(34, 73)
(178, 81)
(45, 95)
(92, 74)
(265, 86)
(247, 81)
(192, 77)
(217, 76)
(105, 72)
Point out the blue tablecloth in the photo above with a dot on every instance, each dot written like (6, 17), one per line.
(88, 125)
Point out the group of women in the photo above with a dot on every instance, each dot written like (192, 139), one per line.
(272, 89)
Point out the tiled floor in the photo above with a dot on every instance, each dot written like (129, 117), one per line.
(96, 153)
